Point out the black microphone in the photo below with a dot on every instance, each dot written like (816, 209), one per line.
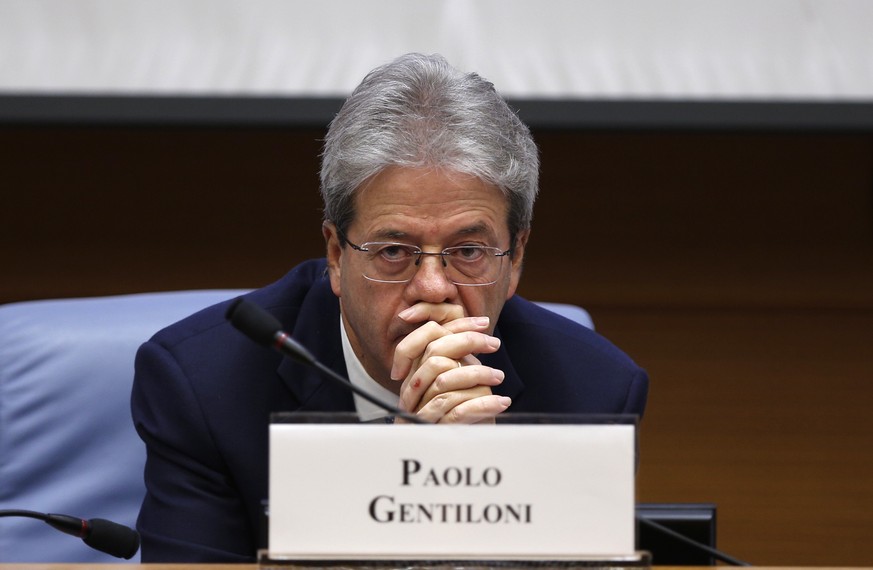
(100, 534)
(266, 330)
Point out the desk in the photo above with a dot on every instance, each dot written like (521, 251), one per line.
(63, 566)
(183, 566)
(119, 566)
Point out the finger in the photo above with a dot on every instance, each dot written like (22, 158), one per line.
(440, 374)
(412, 347)
(473, 405)
(461, 379)
(467, 324)
(477, 411)
(438, 312)
(422, 379)
(455, 346)
(435, 409)
(458, 345)
(414, 344)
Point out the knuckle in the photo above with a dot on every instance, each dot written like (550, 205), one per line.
(439, 383)
(443, 402)
(432, 361)
(434, 328)
(440, 400)
(453, 416)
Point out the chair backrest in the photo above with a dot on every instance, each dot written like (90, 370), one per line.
(572, 312)
(67, 443)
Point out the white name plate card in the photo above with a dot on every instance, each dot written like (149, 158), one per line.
(381, 491)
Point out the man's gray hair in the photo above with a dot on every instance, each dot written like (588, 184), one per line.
(418, 111)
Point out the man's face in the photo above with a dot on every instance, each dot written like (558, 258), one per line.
(432, 209)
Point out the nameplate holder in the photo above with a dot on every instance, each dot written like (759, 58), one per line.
(540, 488)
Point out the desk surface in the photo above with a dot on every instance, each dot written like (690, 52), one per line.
(63, 566)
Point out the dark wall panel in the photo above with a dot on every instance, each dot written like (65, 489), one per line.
(736, 267)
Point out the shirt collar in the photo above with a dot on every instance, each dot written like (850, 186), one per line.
(359, 377)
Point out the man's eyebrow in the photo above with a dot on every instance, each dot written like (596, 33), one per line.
(389, 233)
(479, 228)
(395, 234)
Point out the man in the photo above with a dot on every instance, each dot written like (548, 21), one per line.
(428, 180)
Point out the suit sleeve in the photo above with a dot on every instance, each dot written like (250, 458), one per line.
(192, 511)
(638, 394)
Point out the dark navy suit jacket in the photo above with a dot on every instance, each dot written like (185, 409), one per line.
(203, 394)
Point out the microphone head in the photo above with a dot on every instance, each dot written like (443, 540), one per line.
(253, 321)
(112, 538)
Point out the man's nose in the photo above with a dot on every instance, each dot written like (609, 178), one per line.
(430, 281)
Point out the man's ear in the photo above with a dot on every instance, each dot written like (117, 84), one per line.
(517, 261)
(334, 255)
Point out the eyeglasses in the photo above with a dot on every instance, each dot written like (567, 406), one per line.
(468, 265)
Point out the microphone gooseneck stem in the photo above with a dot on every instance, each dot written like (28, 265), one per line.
(24, 514)
(411, 418)
(265, 329)
(284, 343)
(100, 534)
(73, 526)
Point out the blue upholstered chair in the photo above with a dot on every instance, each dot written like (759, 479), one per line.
(572, 312)
(67, 444)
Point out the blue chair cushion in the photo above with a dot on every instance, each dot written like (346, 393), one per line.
(67, 443)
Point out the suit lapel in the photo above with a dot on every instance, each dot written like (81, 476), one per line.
(512, 384)
(317, 328)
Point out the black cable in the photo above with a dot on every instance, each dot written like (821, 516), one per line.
(25, 514)
(719, 555)
(397, 412)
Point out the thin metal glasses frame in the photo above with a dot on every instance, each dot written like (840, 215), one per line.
(417, 251)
